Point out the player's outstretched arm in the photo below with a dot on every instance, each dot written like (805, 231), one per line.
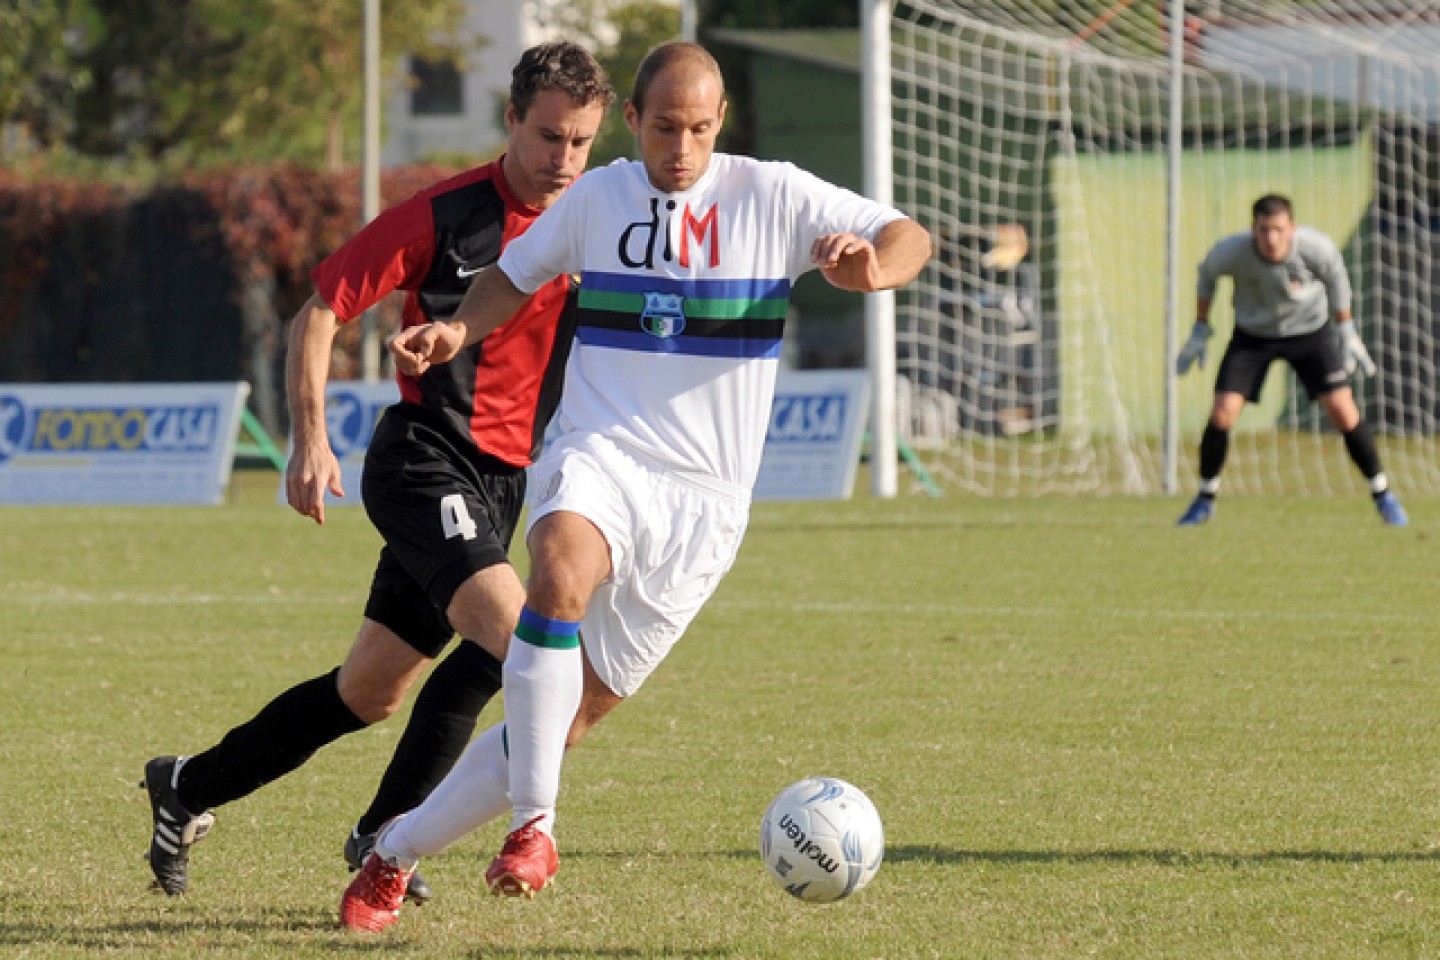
(489, 302)
(897, 256)
(312, 469)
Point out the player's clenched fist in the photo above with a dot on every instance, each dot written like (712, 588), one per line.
(847, 261)
(417, 349)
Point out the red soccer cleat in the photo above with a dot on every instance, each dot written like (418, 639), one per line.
(526, 863)
(372, 901)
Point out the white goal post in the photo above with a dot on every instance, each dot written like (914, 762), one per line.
(1032, 138)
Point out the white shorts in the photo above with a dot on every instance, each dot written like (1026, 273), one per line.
(671, 539)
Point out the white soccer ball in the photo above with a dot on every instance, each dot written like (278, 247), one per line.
(821, 839)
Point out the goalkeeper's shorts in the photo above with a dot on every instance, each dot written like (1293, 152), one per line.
(1315, 357)
(671, 538)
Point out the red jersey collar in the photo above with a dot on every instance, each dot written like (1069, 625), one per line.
(508, 195)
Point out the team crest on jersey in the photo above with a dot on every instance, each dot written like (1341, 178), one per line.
(664, 314)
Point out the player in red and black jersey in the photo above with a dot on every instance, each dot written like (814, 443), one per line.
(444, 477)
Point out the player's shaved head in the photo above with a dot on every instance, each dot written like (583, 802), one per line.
(679, 62)
(676, 113)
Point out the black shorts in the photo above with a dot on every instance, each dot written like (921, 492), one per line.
(1315, 357)
(445, 514)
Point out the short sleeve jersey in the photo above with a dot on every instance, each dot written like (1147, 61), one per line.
(499, 393)
(1286, 299)
(682, 302)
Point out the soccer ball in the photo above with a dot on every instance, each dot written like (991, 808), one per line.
(821, 839)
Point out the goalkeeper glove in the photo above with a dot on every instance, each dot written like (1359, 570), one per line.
(1194, 349)
(1355, 352)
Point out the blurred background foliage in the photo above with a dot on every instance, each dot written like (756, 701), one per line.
(141, 90)
(146, 88)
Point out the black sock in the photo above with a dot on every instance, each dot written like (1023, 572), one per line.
(1361, 446)
(441, 724)
(1214, 444)
(280, 738)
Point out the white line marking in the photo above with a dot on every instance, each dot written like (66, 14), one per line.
(1071, 613)
(82, 598)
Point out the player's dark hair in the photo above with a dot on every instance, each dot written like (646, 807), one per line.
(1271, 205)
(666, 55)
(561, 66)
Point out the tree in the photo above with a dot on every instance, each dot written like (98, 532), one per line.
(239, 80)
(39, 73)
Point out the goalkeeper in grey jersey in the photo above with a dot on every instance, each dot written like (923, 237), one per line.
(1288, 282)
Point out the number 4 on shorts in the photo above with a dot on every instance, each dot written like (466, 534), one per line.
(455, 518)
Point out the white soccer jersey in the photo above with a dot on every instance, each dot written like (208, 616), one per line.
(682, 301)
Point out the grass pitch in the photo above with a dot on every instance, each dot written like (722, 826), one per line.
(1089, 734)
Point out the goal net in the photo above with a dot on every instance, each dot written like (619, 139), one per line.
(1031, 137)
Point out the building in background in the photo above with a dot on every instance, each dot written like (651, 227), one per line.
(441, 112)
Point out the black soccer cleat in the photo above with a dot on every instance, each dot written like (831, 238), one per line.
(358, 847)
(175, 827)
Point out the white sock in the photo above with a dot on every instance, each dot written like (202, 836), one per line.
(1379, 484)
(470, 796)
(385, 850)
(543, 682)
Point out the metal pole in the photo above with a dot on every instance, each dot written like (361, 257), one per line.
(1174, 143)
(370, 177)
(879, 186)
(689, 17)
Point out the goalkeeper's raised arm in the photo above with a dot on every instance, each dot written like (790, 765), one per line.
(1288, 282)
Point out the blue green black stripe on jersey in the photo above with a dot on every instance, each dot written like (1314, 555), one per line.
(722, 318)
(541, 631)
